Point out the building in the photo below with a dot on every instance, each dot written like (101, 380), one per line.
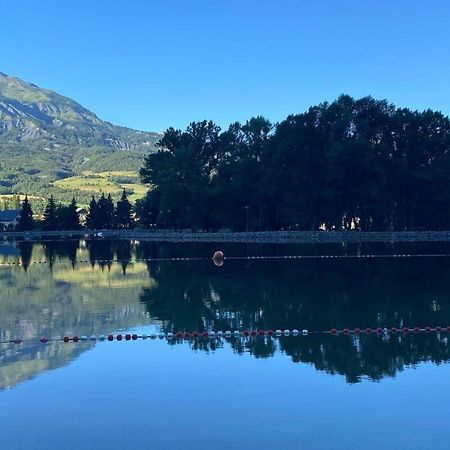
(82, 214)
(9, 219)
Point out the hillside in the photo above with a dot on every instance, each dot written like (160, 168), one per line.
(46, 137)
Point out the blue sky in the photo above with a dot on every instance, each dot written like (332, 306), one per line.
(153, 64)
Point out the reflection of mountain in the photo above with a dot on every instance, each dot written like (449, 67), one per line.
(57, 300)
(316, 295)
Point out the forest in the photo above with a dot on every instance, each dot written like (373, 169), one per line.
(361, 164)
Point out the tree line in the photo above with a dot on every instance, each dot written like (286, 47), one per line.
(351, 164)
(102, 214)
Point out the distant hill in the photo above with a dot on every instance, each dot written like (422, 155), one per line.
(45, 137)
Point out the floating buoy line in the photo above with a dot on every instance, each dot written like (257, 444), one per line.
(225, 258)
(187, 335)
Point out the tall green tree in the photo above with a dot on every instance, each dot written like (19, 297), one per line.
(50, 219)
(123, 217)
(106, 212)
(25, 221)
(93, 219)
(68, 217)
(351, 164)
(148, 209)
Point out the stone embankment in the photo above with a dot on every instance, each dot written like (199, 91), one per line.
(269, 237)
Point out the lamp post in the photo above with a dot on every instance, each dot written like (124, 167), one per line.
(246, 217)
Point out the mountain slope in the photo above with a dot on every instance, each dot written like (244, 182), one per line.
(45, 137)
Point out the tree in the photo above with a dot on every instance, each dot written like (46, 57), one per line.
(148, 208)
(123, 214)
(68, 217)
(93, 219)
(50, 220)
(25, 221)
(183, 170)
(106, 212)
(351, 164)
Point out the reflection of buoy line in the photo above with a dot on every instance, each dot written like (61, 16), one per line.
(187, 335)
(219, 260)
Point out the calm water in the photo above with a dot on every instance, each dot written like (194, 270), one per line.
(317, 391)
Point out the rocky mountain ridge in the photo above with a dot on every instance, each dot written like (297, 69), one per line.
(28, 112)
(46, 137)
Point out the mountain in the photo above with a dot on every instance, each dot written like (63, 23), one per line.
(45, 137)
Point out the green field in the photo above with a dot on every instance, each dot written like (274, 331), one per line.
(113, 183)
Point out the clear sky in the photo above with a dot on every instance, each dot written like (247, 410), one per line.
(151, 64)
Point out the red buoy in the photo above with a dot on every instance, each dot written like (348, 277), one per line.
(448, 328)
(427, 329)
(262, 332)
(179, 334)
(187, 335)
(368, 330)
(44, 340)
(333, 331)
(357, 330)
(218, 258)
(127, 337)
(75, 339)
(394, 330)
(379, 330)
(134, 337)
(195, 334)
(205, 334)
(405, 330)
(119, 337)
(438, 329)
(17, 341)
(416, 329)
(245, 333)
(346, 331)
(110, 337)
(253, 332)
(66, 339)
(270, 332)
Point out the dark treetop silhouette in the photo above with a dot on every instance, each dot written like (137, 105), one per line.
(361, 164)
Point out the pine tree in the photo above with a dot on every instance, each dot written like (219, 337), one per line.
(25, 221)
(109, 212)
(68, 217)
(50, 221)
(73, 218)
(123, 217)
(101, 204)
(93, 219)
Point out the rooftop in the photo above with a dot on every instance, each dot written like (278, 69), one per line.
(9, 215)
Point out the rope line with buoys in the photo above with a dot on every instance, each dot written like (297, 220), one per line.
(188, 335)
(219, 260)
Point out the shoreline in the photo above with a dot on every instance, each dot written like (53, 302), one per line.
(268, 237)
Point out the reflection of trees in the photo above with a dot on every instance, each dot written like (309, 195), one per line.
(367, 356)
(56, 300)
(25, 249)
(62, 250)
(316, 295)
(312, 294)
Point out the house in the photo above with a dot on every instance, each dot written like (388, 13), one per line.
(9, 219)
(83, 214)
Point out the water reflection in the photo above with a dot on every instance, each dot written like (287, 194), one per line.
(82, 289)
(59, 298)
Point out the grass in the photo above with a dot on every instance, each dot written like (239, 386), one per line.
(105, 182)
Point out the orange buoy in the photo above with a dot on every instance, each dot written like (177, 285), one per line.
(218, 258)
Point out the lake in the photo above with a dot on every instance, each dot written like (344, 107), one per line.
(313, 390)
